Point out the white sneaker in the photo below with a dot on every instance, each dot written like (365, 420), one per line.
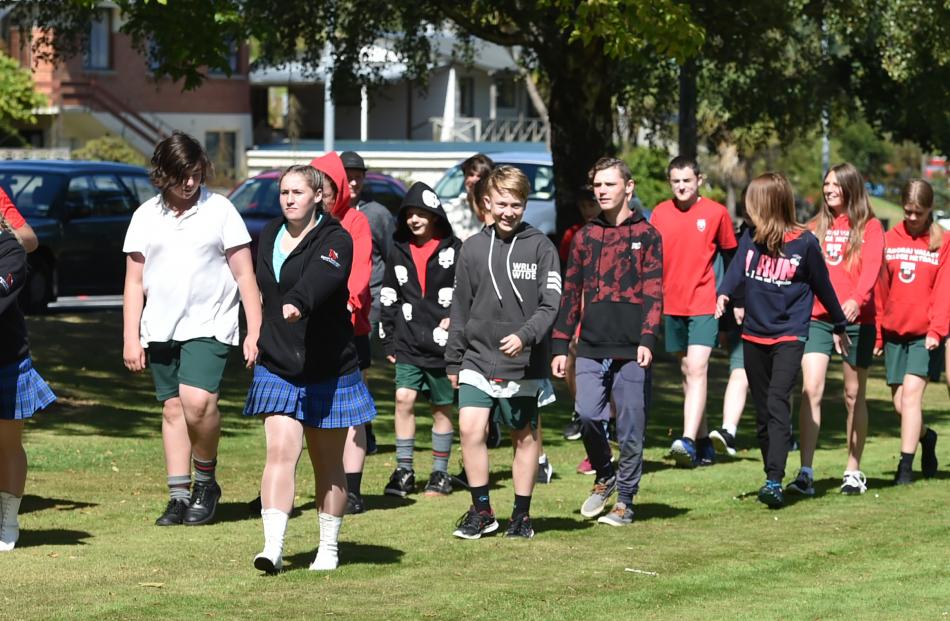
(854, 482)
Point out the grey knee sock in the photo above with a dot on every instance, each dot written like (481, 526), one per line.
(441, 450)
(204, 470)
(179, 487)
(404, 447)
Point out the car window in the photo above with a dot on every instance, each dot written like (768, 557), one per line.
(257, 198)
(452, 184)
(383, 193)
(33, 193)
(540, 179)
(141, 186)
(111, 198)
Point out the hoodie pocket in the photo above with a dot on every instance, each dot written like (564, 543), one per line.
(485, 337)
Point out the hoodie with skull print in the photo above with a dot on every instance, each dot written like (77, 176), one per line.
(502, 287)
(412, 307)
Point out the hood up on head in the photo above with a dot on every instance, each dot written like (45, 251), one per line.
(421, 196)
(332, 166)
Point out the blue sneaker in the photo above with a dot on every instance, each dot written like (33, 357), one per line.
(771, 494)
(683, 452)
(705, 452)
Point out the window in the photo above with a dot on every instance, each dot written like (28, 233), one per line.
(233, 60)
(452, 184)
(98, 53)
(257, 198)
(141, 187)
(505, 87)
(97, 195)
(466, 97)
(222, 147)
(32, 193)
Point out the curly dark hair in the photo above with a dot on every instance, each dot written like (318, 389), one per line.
(175, 157)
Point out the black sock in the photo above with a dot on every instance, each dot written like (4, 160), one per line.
(480, 498)
(907, 459)
(522, 506)
(353, 482)
(594, 435)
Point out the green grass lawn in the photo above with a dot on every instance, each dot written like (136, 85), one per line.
(884, 209)
(88, 549)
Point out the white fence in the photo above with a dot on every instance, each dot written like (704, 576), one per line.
(59, 153)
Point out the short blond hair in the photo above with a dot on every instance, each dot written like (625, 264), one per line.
(511, 179)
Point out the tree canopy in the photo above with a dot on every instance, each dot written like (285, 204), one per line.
(18, 100)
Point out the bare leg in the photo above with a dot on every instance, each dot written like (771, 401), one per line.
(284, 444)
(175, 439)
(325, 447)
(733, 402)
(855, 400)
(912, 420)
(442, 419)
(695, 366)
(814, 371)
(472, 430)
(203, 420)
(405, 419)
(524, 466)
(354, 452)
(12, 457)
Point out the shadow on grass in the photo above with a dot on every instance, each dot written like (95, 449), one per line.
(547, 524)
(655, 510)
(52, 537)
(351, 554)
(31, 503)
(384, 502)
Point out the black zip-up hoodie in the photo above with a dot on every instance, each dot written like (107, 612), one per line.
(617, 271)
(410, 320)
(14, 345)
(313, 278)
(503, 287)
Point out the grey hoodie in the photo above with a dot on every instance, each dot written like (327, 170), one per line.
(504, 287)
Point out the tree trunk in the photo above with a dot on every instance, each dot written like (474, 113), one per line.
(687, 116)
(581, 121)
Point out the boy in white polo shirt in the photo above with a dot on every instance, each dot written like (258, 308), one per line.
(188, 262)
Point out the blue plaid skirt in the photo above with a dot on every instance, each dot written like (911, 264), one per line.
(22, 391)
(336, 403)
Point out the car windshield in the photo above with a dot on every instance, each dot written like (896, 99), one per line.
(33, 193)
(540, 177)
(257, 198)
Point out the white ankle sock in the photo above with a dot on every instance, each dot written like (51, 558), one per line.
(275, 525)
(328, 552)
(807, 470)
(9, 526)
(542, 458)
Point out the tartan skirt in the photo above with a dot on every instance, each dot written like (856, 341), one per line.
(22, 391)
(332, 404)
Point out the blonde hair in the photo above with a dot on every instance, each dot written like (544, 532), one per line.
(509, 179)
(770, 204)
(5, 225)
(857, 207)
(919, 193)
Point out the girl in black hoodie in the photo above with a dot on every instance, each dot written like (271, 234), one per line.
(22, 390)
(307, 377)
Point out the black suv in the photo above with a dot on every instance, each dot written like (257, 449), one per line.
(80, 212)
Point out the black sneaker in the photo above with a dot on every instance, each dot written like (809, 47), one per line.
(174, 513)
(371, 447)
(705, 453)
(572, 431)
(440, 484)
(520, 526)
(354, 504)
(401, 482)
(254, 508)
(460, 479)
(771, 495)
(204, 502)
(723, 442)
(928, 454)
(494, 433)
(904, 474)
(473, 524)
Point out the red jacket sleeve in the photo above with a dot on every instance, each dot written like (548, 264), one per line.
(940, 295)
(357, 225)
(872, 257)
(9, 211)
(881, 290)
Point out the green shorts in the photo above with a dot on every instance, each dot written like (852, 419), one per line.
(198, 362)
(433, 382)
(516, 412)
(734, 343)
(821, 341)
(681, 332)
(911, 358)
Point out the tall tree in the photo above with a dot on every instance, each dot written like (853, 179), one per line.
(580, 46)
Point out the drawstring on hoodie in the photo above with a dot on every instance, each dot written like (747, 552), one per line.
(491, 272)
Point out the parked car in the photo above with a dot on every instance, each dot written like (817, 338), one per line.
(80, 212)
(257, 201)
(538, 167)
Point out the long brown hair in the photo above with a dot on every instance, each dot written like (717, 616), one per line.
(857, 207)
(919, 193)
(770, 204)
(174, 158)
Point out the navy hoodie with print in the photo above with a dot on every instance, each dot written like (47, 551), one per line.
(14, 345)
(502, 287)
(410, 318)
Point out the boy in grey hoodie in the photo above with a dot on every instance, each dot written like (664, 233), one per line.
(507, 292)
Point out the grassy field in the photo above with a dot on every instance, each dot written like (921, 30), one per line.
(96, 483)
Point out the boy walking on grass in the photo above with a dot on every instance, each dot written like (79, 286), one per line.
(507, 290)
(612, 288)
(416, 295)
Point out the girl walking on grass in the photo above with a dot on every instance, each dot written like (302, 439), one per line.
(781, 268)
(914, 310)
(188, 261)
(22, 391)
(307, 381)
(852, 240)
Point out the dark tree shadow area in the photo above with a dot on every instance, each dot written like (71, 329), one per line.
(350, 554)
(30, 503)
(32, 538)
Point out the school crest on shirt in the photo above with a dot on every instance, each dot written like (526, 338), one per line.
(700, 224)
(907, 272)
(331, 257)
(834, 253)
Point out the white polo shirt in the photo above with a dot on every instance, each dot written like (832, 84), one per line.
(190, 291)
